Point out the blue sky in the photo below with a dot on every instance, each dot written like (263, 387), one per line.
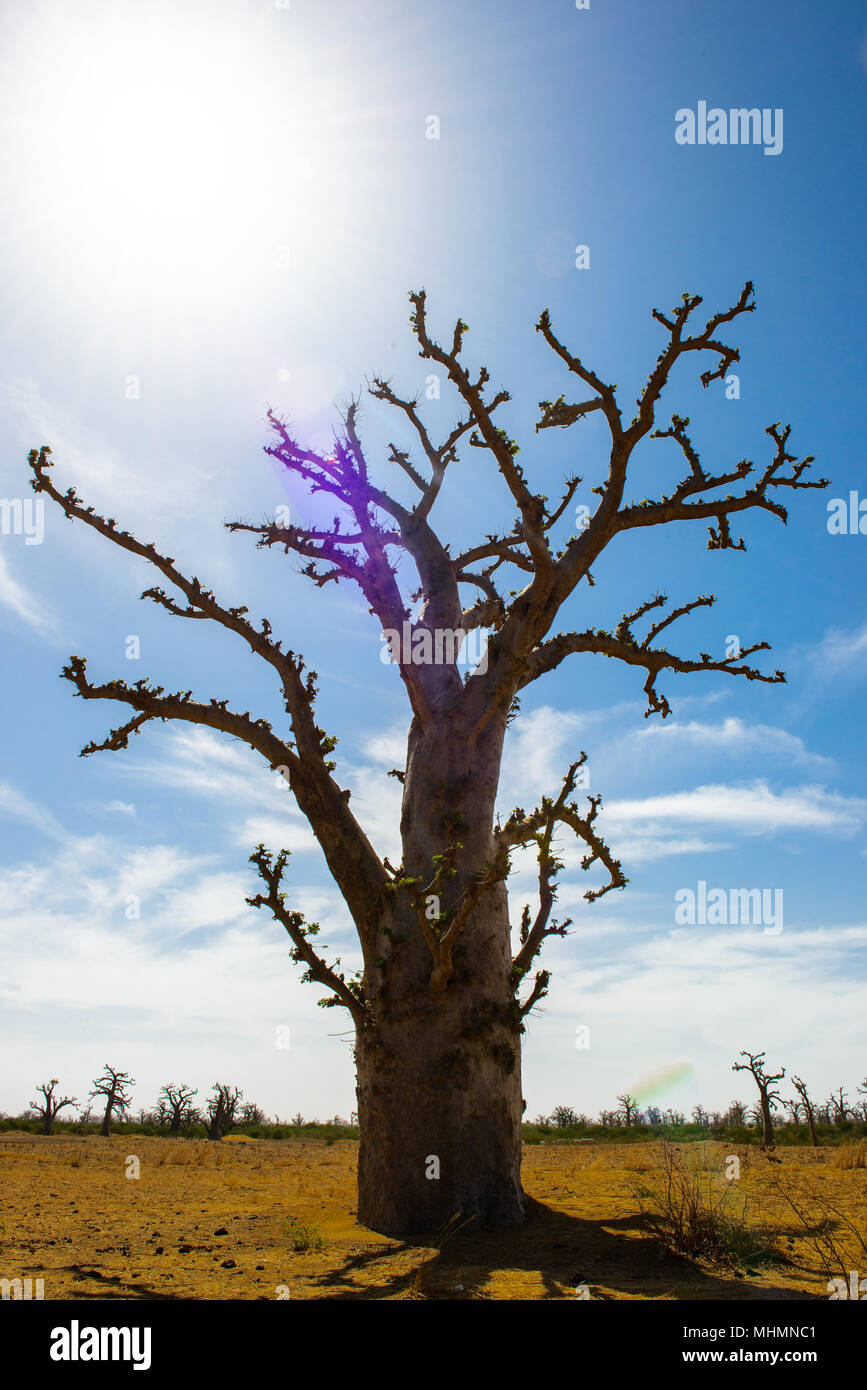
(229, 207)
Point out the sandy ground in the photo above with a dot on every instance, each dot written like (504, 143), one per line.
(216, 1221)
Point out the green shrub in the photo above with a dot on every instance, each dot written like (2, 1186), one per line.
(303, 1237)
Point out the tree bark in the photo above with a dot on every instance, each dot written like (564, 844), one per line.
(768, 1140)
(439, 1104)
(439, 1070)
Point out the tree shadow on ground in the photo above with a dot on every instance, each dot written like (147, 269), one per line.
(114, 1286)
(610, 1258)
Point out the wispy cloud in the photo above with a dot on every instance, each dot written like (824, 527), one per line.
(841, 652)
(752, 808)
(23, 604)
(232, 777)
(113, 480)
(20, 808)
(734, 736)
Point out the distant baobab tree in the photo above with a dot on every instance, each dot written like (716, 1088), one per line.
(628, 1109)
(838, 1103)
(252, 1114)
(116, 1087)
(175, 1105)
(562, 1116)
(755, 1065)
(801, 1087)
(49, 1107)
(736, 1115)
(440, 1001)
(222, 1109)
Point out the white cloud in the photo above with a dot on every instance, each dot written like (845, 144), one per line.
(734, 735)
(387, 749)
(644, 849)
(13, 804)
(159, 489)
(840, 652)
(23, 604)
(539, 747)
(752, 808)
(276, 832)
(231, 776)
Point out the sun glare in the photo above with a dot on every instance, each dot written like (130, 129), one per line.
(168, 152)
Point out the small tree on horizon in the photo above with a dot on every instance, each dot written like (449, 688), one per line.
(222, 1109)
(628, 1109)
(115, 1086)
(48, 1108)
(562, 1116)
(801, 1087)
(175, 1105)
(838, 1103)
(736, 1115)
(252, 1114)
(755, 1065)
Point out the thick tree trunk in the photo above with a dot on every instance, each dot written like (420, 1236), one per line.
(439, 1071)
(47, 1123)
(768, 1139)
(439, 1110)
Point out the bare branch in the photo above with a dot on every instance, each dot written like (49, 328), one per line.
(539, 990)
(271, 869)
(538, 827)
(625, 647)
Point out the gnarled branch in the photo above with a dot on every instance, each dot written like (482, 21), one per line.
(299, 930)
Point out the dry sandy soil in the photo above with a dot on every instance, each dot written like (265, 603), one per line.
(215, 1221)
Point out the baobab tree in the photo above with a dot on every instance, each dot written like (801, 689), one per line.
(49, 1107)
(736, 1115)
(175, 1105)
(439, 1004)
(838, 1104)
(562, 1116)
(115, 1086)
(628, 1109)
(222, 1109)
(755, 1065)
(801, 1087)
(252, 1114)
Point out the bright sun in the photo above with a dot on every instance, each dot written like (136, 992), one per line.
(166, 148)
